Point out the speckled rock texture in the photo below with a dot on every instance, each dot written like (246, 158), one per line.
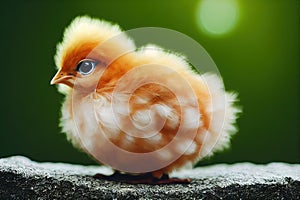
(21, 178)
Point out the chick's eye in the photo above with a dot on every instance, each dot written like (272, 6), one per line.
(86, 67)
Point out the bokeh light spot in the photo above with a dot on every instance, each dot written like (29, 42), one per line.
(217, 17)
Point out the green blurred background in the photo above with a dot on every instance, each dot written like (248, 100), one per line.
(258, 58)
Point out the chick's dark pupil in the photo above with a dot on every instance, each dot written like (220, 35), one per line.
(86, 67)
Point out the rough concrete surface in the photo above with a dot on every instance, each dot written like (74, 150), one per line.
(21, 178)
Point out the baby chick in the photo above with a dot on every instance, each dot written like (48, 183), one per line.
(144, 112)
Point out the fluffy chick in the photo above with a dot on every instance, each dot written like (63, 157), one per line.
(139, 111)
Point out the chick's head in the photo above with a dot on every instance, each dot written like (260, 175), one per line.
(88, 47)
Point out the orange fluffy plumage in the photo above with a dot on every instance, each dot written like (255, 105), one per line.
(143, 112)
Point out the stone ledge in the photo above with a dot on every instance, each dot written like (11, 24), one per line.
(21, 178)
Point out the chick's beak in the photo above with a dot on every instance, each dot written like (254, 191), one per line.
(63, 78)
